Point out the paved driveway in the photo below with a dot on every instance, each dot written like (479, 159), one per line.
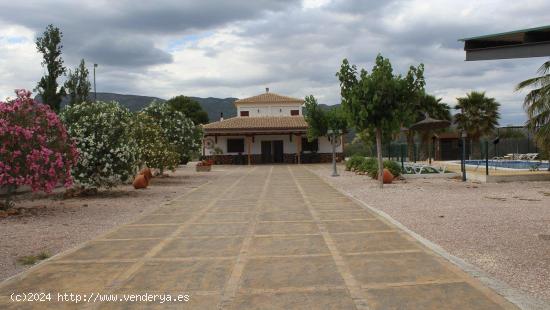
(264, 237)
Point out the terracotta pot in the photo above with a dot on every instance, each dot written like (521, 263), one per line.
(140, 182)
(387, 176)
(146, 172)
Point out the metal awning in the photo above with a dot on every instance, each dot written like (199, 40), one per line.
(532, 42)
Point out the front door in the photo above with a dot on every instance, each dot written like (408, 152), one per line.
(278, 151)
(266, 152)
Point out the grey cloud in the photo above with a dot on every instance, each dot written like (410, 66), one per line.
(121, 33)
(122, 51)
(300, 49)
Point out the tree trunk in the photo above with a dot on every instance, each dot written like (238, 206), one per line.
(161, 168)
(379, 153)
(410, 145)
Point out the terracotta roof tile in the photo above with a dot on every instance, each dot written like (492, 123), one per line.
(257, 123)
(270, 98)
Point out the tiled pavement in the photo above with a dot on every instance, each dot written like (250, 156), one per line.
(265, 237)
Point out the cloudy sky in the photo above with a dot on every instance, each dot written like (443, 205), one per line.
(237, 48)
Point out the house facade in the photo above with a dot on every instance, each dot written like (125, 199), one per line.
(268, 128)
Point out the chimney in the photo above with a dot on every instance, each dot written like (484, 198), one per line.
(267, 90)
(221, 116)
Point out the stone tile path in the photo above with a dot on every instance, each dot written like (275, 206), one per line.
(265, 237)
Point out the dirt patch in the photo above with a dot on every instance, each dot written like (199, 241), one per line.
(50, 224)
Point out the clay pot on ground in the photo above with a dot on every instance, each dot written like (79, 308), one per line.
(387, 176)
(147, 173)
(140, 182)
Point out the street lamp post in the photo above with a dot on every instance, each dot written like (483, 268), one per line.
(333, 134)
(464, 156)
(95, 89)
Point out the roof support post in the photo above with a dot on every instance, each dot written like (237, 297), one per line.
(249, 148)
(299, 148)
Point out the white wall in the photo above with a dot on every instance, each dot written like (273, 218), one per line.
(268, 110)
(288, 146)
(326, 147)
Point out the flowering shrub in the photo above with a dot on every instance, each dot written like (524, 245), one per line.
(176, 128)
(35, 149)
(108, 150)
(154, 149)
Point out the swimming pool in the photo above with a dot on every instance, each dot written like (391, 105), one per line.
(510, 164)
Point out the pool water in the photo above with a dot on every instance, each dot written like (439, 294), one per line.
(511, 164)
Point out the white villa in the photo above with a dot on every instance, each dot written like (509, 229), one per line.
(268, 128)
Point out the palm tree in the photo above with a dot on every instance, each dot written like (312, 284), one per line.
(537, 106)
(478, 116)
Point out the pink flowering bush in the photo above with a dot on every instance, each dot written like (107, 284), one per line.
(35, 148)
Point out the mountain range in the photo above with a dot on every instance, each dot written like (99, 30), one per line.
(213, 106)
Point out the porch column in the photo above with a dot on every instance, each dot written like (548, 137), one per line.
(249, 148)
(299, 148)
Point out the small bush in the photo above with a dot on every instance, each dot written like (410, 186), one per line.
(392, 166)
(32, 259)
(368, 165)
(354, 162)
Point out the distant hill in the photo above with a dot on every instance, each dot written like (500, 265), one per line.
(215, 106)
(212, 106)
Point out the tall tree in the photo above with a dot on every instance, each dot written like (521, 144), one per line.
(190, 108)
(377, 102)
(537, 106)
(49, 44)
(315, 117)
(320, 120)
(78, 85)
(478, 115)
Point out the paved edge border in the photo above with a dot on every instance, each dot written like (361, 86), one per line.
(513, 295)
(77, 247)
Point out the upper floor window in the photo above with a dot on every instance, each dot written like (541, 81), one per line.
(294, 112)
(245, 113)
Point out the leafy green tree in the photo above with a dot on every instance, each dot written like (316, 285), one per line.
(511, 133)
(478, 116)
(320, 120)
(178, 130)
(78, 85)
(537, 106)
(49, 44)
(315, 118)
(377, 102)
(154, 149)
(190, 108)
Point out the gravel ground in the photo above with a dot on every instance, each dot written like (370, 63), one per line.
(52, 224)
(503, 228)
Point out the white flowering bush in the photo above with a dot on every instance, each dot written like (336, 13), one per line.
(105, 141)
(178, 130)
(154, 149)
